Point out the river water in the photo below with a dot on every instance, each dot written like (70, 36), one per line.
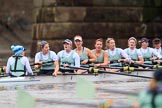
(60, 95)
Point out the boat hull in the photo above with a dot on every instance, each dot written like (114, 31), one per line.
(71, 78)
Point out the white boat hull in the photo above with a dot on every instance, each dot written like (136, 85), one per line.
(72, 78)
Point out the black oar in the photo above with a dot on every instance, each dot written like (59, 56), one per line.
(150, 66)
(90, 103)
(125, 68)
(43, 63)
(96, 71)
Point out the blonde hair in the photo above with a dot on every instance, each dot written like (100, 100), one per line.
(108, 41)
(132, 38)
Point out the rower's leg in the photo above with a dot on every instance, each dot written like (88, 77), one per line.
(81, 71)
(113, 70)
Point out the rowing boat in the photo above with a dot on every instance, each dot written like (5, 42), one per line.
(67, 78)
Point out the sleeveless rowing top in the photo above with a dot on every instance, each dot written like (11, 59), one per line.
(67, 60)
(17, 68)
(47, 66)
(100, 58)
(134, 55)
(114, 58)
(83, 55)
(146, 55)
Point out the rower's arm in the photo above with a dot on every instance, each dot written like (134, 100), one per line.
(105, 62)
(56, 64)
(140, 61)
(140, 57)
(8, 66)
(156, 54)
(28, 67)
(91, 56)
(37, 61)
(77, 60)
(125, 55)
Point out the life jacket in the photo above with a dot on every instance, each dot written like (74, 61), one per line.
(17, 68)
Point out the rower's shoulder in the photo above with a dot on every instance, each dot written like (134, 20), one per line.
(60, 52)
(87, 49)
(119, 49)
(52, 52)
(126, 49)
(38, 53)
(25, 58)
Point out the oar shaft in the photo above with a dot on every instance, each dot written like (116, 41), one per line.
(42, 63)
(146, 65)
(94, 104)
(102, 71)
(69, 102)
(118, 91)
(82, 68)
(117, 73)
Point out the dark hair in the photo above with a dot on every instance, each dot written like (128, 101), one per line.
(99, 39)
(156, 41)
(43, 43)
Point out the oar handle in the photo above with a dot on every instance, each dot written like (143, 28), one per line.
(41, 63)
(74, 67)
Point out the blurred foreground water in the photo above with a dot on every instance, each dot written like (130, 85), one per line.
(55, 95)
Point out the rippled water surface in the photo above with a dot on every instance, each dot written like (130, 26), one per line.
(60, 95)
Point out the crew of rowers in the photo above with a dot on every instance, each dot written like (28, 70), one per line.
(50, 63)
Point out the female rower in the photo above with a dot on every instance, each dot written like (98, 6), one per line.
(18, 64)
(86, 56)
(47, 60)
(68, 57)
(101, 55)
(134, 54)
(149, 54)
(157, 47)
(116, 56)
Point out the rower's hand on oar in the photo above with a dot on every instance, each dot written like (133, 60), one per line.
(97, 65)
(122, 60)
(153, 58)
(38, 65)
(66, 65)
(132, 61)
(84, 62)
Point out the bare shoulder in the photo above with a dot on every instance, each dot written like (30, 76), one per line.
(87, 50)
